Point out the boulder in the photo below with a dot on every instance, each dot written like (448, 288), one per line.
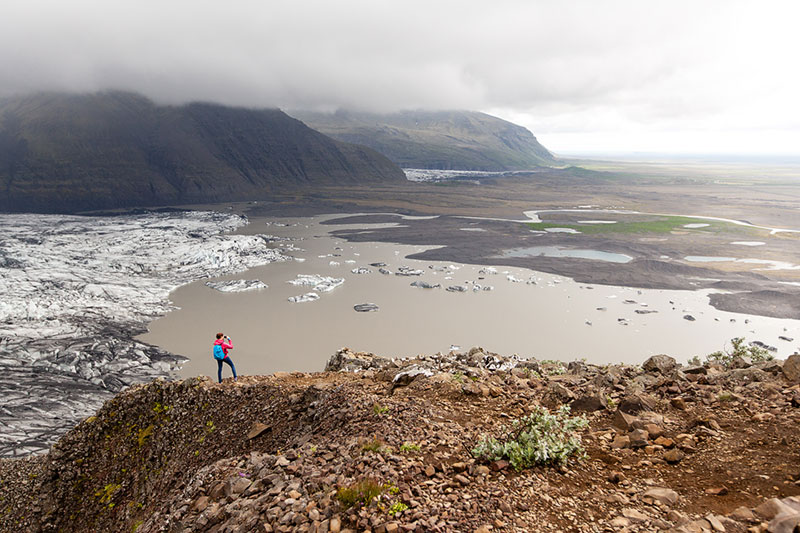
(636, 403)
(663, 495)
(791, 368)
(660, 364)
(674, 456)
(623, 420)
(590, 403)
(556, 394)
(639, 438)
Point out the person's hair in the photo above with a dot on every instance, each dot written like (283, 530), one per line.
(220, 335)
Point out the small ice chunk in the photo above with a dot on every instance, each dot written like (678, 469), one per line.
(319, 283)
(408, 271)
(456, 288)
(307, 297)
(424, 285)
(237, 285)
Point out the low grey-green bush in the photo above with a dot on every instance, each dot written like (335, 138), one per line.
(540, 438)
(755, 354)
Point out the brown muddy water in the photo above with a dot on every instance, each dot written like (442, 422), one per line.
(555, 318)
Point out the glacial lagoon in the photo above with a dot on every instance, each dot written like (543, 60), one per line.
(506, 310)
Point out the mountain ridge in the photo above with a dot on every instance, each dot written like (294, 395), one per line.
(443, 140)
(71, 152)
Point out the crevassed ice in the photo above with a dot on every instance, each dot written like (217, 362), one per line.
(57, 272)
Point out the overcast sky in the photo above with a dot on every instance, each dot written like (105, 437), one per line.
(584, 76)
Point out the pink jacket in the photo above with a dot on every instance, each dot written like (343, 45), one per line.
(225, 345)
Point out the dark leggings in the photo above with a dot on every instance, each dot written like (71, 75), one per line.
(219, 367)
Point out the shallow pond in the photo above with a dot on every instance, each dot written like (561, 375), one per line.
(557, 251)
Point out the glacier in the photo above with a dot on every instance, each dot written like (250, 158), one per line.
(78, 289)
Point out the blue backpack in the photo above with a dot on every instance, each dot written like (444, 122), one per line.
(219, 355)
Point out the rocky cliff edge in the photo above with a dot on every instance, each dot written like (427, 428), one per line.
(668, 447)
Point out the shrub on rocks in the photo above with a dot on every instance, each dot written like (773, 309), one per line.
(739, 352)
(540, 438)
(361, 493)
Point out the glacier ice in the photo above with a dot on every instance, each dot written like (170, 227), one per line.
(77, 290)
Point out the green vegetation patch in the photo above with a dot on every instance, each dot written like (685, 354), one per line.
(360, 493)
(662, 224)
(540, 438)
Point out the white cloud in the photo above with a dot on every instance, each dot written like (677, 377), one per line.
(618, 69)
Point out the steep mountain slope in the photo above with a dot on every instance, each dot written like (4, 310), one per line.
(452, 140)
(62, 153)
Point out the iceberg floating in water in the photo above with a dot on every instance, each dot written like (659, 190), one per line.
(237, 285)
(408, 271)
(307, 297)
(319, 283)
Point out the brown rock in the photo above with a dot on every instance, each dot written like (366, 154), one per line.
(462, 479)
(678, 403)
(620, 522)
(663, 495)
(784, 524)
(717, 491)
(674, 456)
(257, 429)
(589, 403)
(635, 515)
(772, 508)
(200, 504)
(430, 471)
(665, 442)
(499, 465)
(638, 438)
(483, 529)
(636, 403)
(744, 514)
(791, 368)
(621, 442)
(654, 431)
(623, 421)
(660, 364)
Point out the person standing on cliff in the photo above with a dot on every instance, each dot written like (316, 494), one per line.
(221, 347)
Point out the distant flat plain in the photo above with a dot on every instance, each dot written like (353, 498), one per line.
(658, 240)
